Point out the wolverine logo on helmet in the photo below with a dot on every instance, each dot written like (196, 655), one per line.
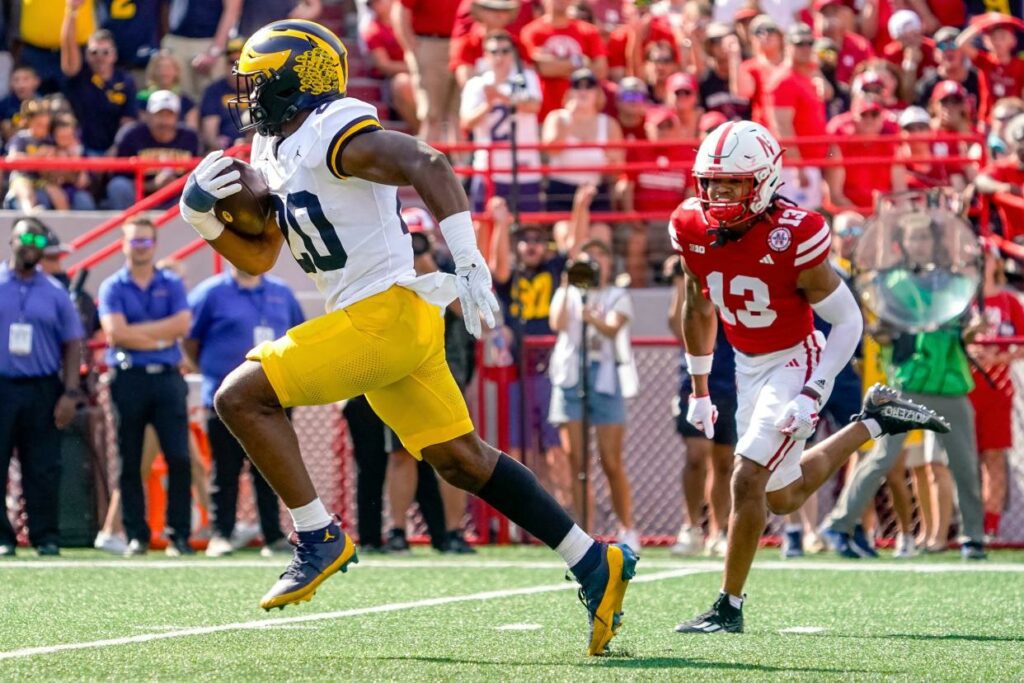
(285, 68)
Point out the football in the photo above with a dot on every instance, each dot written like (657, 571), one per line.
(247, 211)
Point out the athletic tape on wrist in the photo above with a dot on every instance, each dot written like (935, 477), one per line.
(699, 365)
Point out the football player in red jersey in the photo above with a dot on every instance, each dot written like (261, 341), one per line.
(762, 262)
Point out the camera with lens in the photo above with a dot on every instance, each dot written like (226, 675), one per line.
(583, 273)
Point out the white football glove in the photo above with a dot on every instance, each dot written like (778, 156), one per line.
(207, 183)
(473, 284)
(702, 414)
(799, 418)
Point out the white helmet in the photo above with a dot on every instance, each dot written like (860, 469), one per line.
(738, 149)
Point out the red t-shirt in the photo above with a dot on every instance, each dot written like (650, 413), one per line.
(1004, 80)
(1007, 170)
(1005, 316)
(937, 173)
(659, 188)
(761, 71)
(949, 13)
(863, 180)
(576, 38)
(468, 49)
(660, 32)
(854, 50)
(464, 19)
(432, 17)
(753, 280)
(377, 35)
(893, 52)
(793, 90)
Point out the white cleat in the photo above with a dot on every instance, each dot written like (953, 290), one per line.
(689, 542)
(905, 548)
(219, 547)
(109, 543)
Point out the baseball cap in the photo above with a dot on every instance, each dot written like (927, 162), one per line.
(418, 220)
(947, 88)
(946, 34)
(798, 33)
(912, 115)
(632, 84)
(681, 81)
(903, 21)
(659, 115)
(717, 30)
(763, 23)
(710, 120)
(161, 100)
(581, 75)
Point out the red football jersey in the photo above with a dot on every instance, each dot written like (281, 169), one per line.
(753, 280)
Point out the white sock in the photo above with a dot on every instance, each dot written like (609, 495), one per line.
(874, 429)
(736, 602)
(311, 516)
(574, 546)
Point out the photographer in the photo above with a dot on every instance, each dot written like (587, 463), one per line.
(587, 296)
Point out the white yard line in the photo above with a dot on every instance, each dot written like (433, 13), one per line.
(777, 565)
(323, 616)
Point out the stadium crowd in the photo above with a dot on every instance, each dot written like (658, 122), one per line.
(151, 79)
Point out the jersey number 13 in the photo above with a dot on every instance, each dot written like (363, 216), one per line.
(756, 311)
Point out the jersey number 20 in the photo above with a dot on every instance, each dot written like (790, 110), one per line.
(311, 260)
(756, 311)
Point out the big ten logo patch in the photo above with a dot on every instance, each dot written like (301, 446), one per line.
(531, 299)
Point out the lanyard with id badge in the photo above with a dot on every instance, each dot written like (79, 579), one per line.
(262, 332)
(19, 339)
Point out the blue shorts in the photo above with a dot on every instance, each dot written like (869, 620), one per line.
(529, 195)
(603, 409)
(539, 432)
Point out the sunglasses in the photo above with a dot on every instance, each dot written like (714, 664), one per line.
(946, 45)
(765, 31)
(500, 51)
(870, 114)
(584, 85)
(874, 89)
(29, 239)
(632, 97)
(852, 231)
(683, 92)
(532, 239)
(955, 101)
(142, 242)
(661, 60)
(917, 127)
(100, 51)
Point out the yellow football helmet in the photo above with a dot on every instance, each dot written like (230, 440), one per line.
(286, 67)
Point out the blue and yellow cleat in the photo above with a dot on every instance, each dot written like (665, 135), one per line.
(602, 591)
(318, 554)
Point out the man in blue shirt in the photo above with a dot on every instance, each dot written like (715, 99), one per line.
(144, 311)
(40, 347)
(102, 96)
(232, 313)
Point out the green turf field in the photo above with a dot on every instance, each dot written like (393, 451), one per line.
(506, 614)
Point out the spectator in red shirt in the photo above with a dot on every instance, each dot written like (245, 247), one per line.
(661, 188)
(1007, 176)
(466, 57)
(952, 65)
(659, 65)
(831, 19)
(627, 43)
(1003, 69)
(632, 101)
(756, 72)
(681, 98)
(950, 113)
(910, 50)
(388, 60)
(558, 46)
(797, 109)
(424, 30)
(861, 182)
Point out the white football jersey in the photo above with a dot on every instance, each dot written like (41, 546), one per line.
(346, 233)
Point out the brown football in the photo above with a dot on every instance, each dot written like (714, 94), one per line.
(248, 211)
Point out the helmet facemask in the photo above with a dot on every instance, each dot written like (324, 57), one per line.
(253, 105)
(732, 212)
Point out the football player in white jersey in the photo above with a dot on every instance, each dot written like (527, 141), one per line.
(333, 172)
